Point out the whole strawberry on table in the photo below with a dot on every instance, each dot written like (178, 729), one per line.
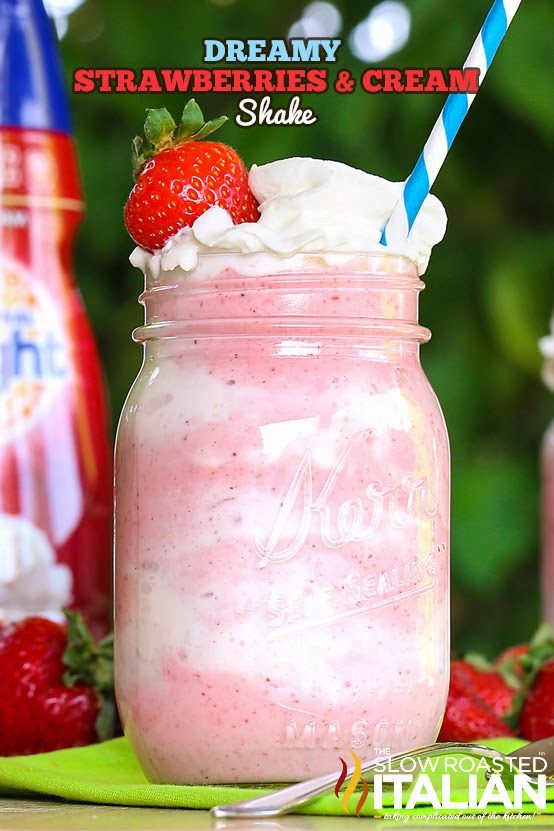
(56, 686)
(512, 696)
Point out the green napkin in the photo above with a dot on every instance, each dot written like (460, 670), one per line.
(109, 773)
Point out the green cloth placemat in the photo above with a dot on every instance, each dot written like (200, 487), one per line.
(109, 773)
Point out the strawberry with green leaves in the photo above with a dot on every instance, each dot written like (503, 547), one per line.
(179, 176)
(512, 696)
(533, 710)
(536, 720)
(56, 686)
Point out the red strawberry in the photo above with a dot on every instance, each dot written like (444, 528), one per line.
(468, 718)
(55, 686)
(486, 685)
(521, 666)
(537, 715)
(178, 178)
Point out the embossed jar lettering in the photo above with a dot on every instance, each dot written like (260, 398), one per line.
(352, 520)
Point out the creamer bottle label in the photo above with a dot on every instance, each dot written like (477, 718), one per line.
(34, 354)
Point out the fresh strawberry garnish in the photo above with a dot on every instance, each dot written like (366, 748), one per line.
(179, 177)
(537, 714)
(512, 696)
(56, 686)
(477, 700)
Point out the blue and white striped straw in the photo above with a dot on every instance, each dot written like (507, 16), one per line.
(456, 107)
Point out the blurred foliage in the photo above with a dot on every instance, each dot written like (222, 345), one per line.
(491, 282)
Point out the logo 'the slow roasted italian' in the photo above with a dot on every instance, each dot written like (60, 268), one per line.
(355, 780)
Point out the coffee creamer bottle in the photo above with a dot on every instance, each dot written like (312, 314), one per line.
(55, 458)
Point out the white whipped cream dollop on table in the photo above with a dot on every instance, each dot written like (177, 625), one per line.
(31, 581)
(306, 206)
(546, 345)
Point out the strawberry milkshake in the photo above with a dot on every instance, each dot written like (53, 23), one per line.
(547, 466)
(282, 489)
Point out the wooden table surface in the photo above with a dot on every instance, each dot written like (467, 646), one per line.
(57, 815)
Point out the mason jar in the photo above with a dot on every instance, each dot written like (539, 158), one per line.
(282, 521)
(546, 346)
(547, 565)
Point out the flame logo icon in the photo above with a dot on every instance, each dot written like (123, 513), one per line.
(352, 785)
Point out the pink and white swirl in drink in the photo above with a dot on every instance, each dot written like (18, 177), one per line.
(282, 503)
(547, 468)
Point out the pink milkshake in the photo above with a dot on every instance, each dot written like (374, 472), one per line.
(282, 497)
(547, 467)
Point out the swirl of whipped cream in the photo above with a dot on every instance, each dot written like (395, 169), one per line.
(306, 206)
(546, 346)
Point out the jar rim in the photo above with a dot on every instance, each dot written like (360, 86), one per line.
(350, 295)
(214, 265)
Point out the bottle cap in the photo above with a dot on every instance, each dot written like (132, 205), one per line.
(32, 88)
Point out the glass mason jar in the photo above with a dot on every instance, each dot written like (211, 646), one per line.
(282, 522)
(547, 576)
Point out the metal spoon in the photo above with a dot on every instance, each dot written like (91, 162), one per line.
(281, 801)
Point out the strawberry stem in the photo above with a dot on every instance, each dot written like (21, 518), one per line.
(159, 127)
(541, 650)
(478, 661)
(161, 132)
(192, 121)
(92, 665)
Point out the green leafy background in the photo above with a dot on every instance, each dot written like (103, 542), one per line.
(490, 284)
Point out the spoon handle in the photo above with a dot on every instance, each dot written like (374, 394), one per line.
(281, 801)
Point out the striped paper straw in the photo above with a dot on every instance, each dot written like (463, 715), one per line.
(419, 182)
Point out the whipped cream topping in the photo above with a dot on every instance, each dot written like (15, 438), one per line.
(306, 206)
(546, 345)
